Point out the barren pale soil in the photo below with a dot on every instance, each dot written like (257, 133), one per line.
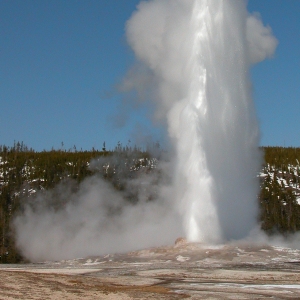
(186, 270)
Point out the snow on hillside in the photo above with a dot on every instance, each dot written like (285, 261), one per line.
(32, 183)
(288, 179)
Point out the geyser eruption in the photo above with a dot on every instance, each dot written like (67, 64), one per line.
(200, 52)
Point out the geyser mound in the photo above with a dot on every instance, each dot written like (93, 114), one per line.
(199, 53)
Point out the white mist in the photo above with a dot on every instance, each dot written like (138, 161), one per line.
(200, 52)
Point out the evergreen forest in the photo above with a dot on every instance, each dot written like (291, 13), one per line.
(24, 173)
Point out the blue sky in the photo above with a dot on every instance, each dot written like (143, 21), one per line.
(60, 61)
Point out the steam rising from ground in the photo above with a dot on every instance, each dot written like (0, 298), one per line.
(95, 220)
(198, 54)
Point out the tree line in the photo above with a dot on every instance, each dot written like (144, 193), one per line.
(280, 190)
(24, 173)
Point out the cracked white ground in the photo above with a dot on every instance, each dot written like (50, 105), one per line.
(186, 270)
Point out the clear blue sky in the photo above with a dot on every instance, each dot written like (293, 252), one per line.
(59, 61)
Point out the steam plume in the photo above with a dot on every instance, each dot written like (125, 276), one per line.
(198, 53)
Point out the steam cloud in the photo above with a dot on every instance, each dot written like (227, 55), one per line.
(95, 220)
(198, 55)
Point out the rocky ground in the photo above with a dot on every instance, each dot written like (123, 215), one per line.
(186, 270)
